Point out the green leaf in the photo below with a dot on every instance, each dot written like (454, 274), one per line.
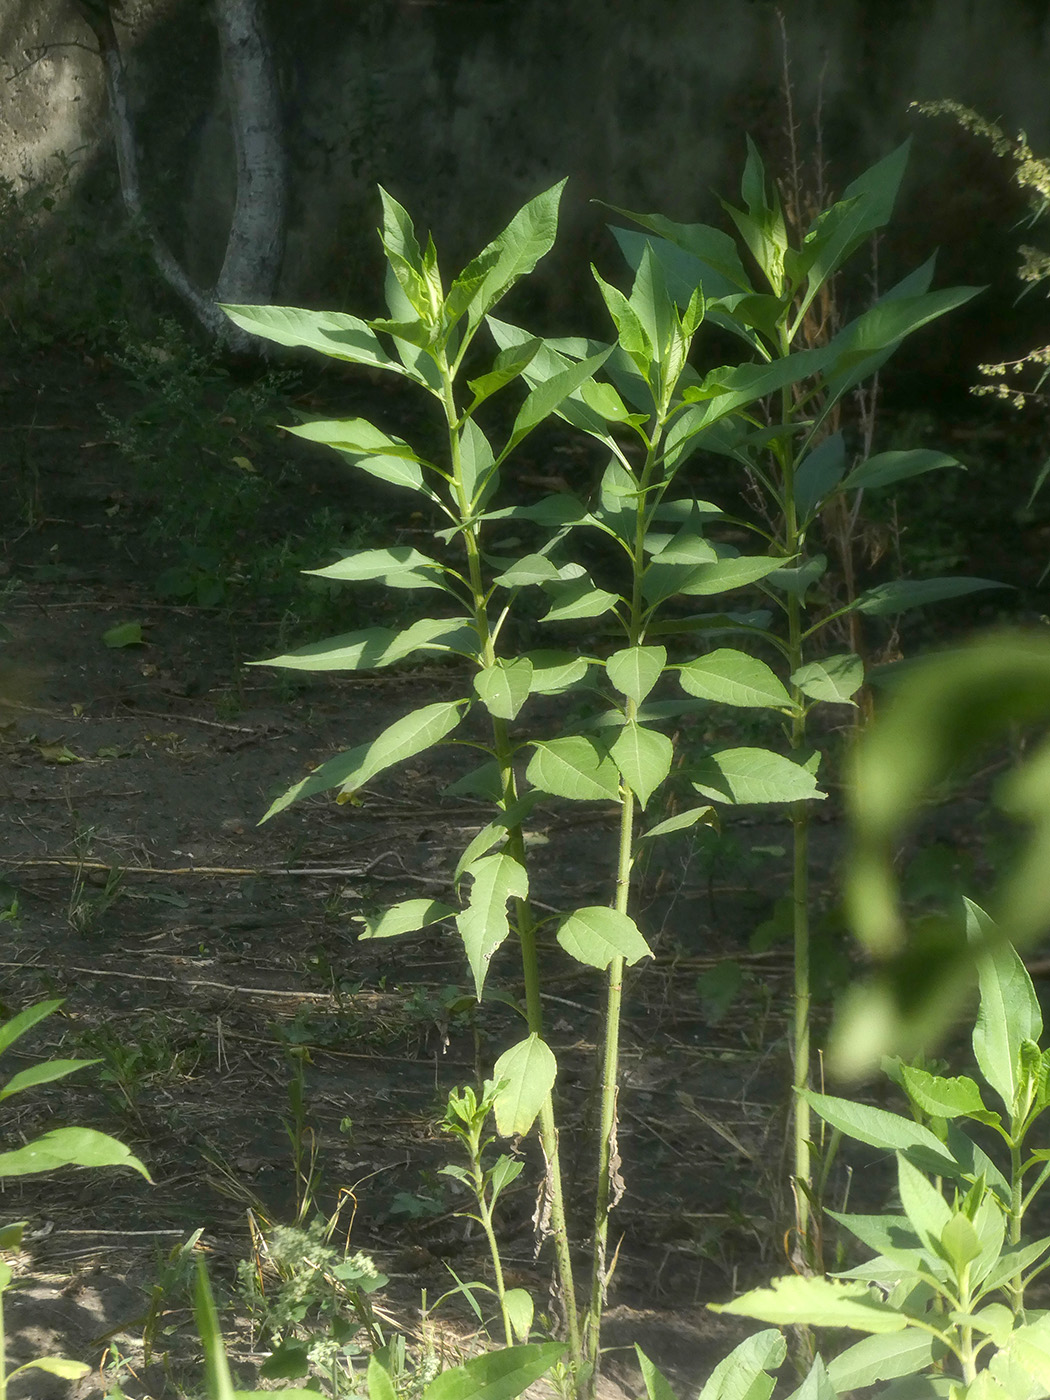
(882, 1358)
(726, 574)
(476, 463)
(799, 580)
(375, 647)
(577, 598)
(519, 1308)
(69, 1147)
(818, 474)
(1009, 1011)
(833, 680)
(644, 758)
(28, 1017)
(1012, 1262)
(575, 768)
(511, 255)
(408, 916)
(886, 468)
(406, 737)
(959, 1242)
(43, 1073)
(483, 925)
(535, 568)
(554, 672)
(940, 1097)
(54, 1366)
(550, 395)
(635, 670)
(927, 1211)
(734, 678)
(504, 686)
(528, 1070)
(656, 1384)
(407, 262)
(369, 449)
(597, 934)
(331, 332)
(887, 1131)
(380, 1382)
(817, 1302)
(506, 367)
(497, 1375)
(681, 821)
(742, 1375)
(398, 567)
(217, 1380)
(753, 775)
(901, 594)
(125, 634)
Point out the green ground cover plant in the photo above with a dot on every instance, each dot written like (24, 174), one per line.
(57, 1148)
(632, 644)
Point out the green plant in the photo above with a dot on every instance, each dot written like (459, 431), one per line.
(60, 1147)
(466, 1118)
(650, 413)
(946, 1293)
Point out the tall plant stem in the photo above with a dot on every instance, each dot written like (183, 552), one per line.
(794, 540)
(524, 920)
(614, 987)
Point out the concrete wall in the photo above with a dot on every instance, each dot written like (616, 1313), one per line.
(465, 108)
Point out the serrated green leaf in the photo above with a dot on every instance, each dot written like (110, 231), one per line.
(405, 738)
(529, 1070)
(644, 758)
(504, 686)
(732, 677)
(940, 1097)
(635, 670)
(575, 768)
(483, 925)
(833, 680)
(817, 1302)
(597, 934)
(408, 916)
(753, 775)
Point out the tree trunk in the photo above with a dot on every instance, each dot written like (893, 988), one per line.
(255, 244)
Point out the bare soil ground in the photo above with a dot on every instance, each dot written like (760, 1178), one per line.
(199, 954)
